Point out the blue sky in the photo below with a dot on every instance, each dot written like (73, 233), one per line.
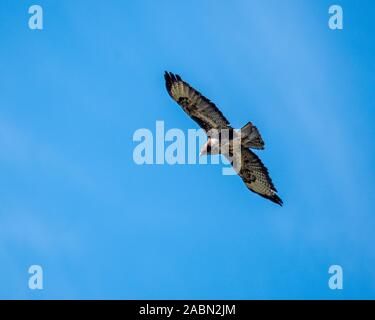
(73, 201)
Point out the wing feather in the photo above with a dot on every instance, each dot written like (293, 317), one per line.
(198, 107)
(256, 177)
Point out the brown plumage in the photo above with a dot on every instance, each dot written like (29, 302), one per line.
(252, 171)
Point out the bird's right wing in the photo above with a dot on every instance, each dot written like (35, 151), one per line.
(198, 107)
(256, 177)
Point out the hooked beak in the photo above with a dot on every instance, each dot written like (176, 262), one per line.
(203, 151)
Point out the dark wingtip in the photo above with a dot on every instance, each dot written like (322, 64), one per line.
(167, 75)
(170, 78)
(274, 198)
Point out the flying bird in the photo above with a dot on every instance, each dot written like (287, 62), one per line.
(252, 171)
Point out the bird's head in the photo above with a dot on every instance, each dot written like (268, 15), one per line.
(210, 147)
(206, 148)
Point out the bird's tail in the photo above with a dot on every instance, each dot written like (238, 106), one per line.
(250, 137)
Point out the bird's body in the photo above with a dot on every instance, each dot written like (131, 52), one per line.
(223, 139)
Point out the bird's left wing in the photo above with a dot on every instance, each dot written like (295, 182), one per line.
(256, 177)
(198, 107)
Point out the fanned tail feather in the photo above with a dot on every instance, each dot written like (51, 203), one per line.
(250, 137)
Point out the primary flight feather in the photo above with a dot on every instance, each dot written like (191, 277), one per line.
(252, 171)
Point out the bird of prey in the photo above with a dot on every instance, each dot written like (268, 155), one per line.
(252, 171)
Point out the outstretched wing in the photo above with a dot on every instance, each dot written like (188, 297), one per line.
(256, 177)
(198, 107)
